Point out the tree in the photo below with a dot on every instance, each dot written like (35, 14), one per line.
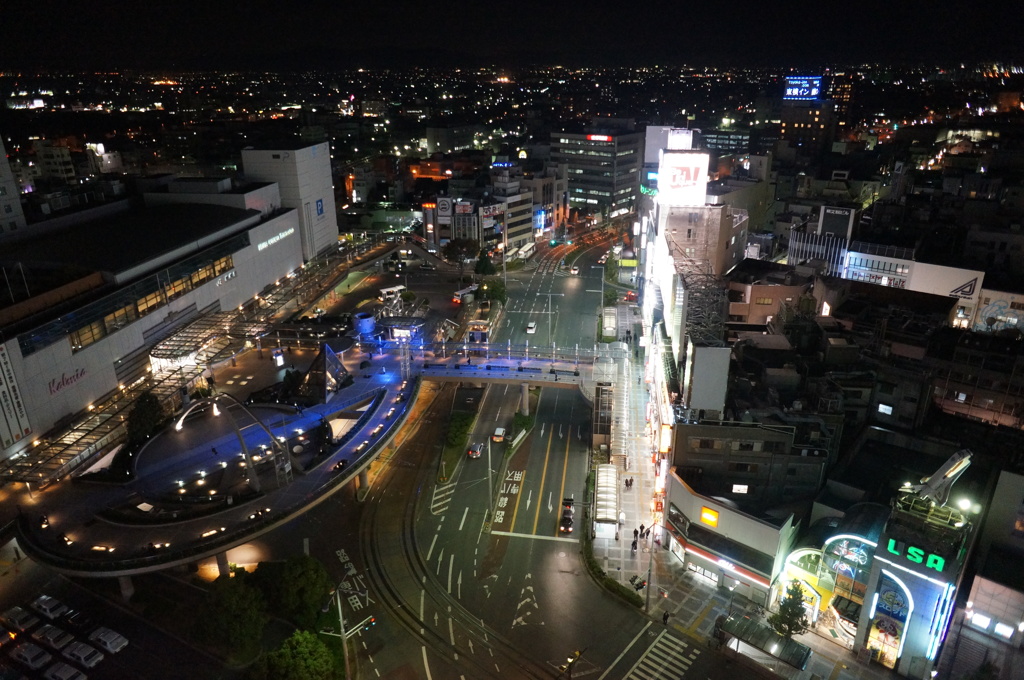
(458, 250)
(304, 587)
(145, 418)
(484, 266)
(232, 616)
(790, 619)
(303, 656)
(494, 289)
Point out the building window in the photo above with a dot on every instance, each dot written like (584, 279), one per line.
(150, 302)
(763, 300)
(885, 409)
(85, 336)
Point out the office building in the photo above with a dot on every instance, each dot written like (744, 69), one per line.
(603, 165)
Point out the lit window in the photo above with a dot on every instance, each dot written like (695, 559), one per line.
(981, 621)
(739, 488)
(1004, 630)
(885, 408)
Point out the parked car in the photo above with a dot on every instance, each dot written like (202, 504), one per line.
(49, 607)
(85, 655)
(62, 671)
(33, 656)
(77, 620)
(475, 450)
(109, 640)
(21, 620)
(52, 636)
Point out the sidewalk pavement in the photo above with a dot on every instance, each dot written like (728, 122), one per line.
(693, 602)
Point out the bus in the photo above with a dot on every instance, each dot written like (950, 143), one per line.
(390, 293)
(464, 295)
(526, 251)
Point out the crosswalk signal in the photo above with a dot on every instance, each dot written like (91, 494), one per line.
(640, 585)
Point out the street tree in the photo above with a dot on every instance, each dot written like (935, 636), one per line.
(303, 656)
(145, 419)
(484, 266)
(458, 250)
(232, 617)
(305, 585)
(790, 619)
(494, 289)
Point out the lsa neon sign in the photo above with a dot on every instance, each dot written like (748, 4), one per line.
(917, 555)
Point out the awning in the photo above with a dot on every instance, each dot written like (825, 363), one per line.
(606, 490)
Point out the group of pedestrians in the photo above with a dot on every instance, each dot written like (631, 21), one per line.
(629, 483)
(642, 532)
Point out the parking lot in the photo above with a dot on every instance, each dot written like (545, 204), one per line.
(81, 630)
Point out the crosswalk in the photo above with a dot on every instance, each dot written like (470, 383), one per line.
(668, 657)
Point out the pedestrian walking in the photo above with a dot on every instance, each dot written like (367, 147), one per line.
(641, 528)
(634, 545)
(664, 618)
(630, 482)
(214, 449)
(647, 534)
(636, 534)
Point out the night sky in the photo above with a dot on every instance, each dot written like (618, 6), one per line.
(344, 33)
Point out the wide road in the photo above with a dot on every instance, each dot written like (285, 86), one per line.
(563, 305)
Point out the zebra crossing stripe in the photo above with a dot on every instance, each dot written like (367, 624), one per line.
(666, 656)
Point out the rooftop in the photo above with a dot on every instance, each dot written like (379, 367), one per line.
(128, 239)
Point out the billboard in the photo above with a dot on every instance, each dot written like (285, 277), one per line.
(836, 221)
(13, 417)
(802, 87)
(683, 178)
(964, 284)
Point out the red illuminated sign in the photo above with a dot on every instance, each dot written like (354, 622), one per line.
(599, 138)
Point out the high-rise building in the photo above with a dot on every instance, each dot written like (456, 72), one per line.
(303, 172)
(603, 166)
(12, 217)
(808, 121)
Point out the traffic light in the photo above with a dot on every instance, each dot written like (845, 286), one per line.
(569, 243)
(553, 242)
(370, 623)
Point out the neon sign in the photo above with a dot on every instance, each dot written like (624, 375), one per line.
(917, 555)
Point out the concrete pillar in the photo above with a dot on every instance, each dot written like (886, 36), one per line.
(363, 490)
(222, 564)
(127, 587)
(524, 398)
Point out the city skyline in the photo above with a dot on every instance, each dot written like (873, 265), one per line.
(325, 35)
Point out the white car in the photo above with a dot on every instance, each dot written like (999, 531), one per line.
(531, 327)
(84, 655)
(62, 671)
(109, 640)
(52, 636)
(49, 607)
(33, 656)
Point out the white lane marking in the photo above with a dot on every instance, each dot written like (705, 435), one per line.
(625, 649)
(464, 513)
(426, 664)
